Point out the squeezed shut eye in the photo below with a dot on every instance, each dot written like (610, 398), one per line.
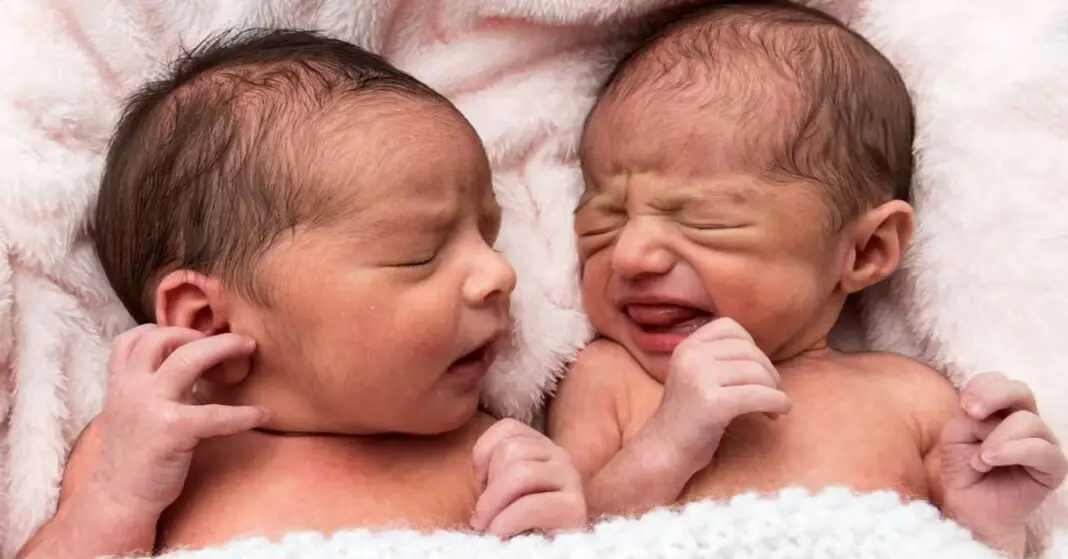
(596, 233)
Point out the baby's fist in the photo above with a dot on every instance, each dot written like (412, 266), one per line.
(999, 458)
(717, 375)
(527, 483)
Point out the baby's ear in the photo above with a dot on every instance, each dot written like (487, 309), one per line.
(191, 300)
(877, 243)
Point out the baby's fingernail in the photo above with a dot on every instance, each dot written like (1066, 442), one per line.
(989, 457)
(979, 465)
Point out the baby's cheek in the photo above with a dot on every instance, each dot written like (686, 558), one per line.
(594, 291)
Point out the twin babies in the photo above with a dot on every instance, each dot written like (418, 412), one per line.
(305, 233)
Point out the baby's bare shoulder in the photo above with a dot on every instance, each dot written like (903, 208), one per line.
(589, 412)
(602, 370)
(923, 394)
(902, 376)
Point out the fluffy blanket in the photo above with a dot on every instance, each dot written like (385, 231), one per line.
(833, 525)
(983, 288)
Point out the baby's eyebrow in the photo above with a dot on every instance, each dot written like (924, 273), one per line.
(600, 198)
(684, 196)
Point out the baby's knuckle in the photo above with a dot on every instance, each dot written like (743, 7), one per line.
(510, 449)
(183, 360)
(1028, 417)
(730, 326)
(523, 472)
(170, 418)
(572, 501)
(1020, 386)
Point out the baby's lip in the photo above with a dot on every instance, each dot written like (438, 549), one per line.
(657, 300)
(663, 315)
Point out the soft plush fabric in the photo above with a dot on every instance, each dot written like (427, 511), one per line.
(834, 524)
(982, 290)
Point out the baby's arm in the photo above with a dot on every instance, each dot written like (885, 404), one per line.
(587, 418)
(87, 523)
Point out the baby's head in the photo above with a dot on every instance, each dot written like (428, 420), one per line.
(751, 161)
(305, 193)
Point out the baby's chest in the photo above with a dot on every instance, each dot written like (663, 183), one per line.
(323, 498)
(858, 443)
(759, 455)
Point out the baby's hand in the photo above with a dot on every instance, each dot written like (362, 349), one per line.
(999, 460)
(716, 375)
(151, 423)
(528, 483)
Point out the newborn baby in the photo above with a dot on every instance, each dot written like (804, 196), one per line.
(311, 230)
(747, 171)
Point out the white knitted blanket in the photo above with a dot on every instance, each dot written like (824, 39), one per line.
(834, 524)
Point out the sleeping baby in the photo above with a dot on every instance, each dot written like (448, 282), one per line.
(305, 233)
(747, 171)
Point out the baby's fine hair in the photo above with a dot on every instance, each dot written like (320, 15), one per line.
(206, 168)
(848, 121)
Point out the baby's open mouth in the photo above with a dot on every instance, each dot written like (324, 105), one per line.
(668, 319)
(476, 356)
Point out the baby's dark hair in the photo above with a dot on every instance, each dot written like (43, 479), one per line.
(206, 167)
(848, 125)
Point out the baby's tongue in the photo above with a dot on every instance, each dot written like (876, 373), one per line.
(668, 318)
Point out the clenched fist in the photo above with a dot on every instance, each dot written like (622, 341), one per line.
(999, 461)
(717, 374)
(528, 483)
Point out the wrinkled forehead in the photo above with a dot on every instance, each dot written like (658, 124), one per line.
(691, 124)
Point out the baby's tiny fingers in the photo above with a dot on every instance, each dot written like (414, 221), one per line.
(1044, 461)
(542, 512)
(487, 444)
(989, 393)
(744, 351)
(187, 363)
(213, 420)
(1020, 425)
(742, 400)
(153, 348)
(522, 479)
(722, 329)
(743, 373)
(517, 450)
(124, 344)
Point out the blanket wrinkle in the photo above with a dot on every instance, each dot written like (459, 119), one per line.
(979, 291)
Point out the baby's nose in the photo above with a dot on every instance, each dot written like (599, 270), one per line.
(493, 277)
(638, 251)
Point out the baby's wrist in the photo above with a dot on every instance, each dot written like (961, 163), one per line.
(674, 458)
(100, 505)
(1009, 540)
